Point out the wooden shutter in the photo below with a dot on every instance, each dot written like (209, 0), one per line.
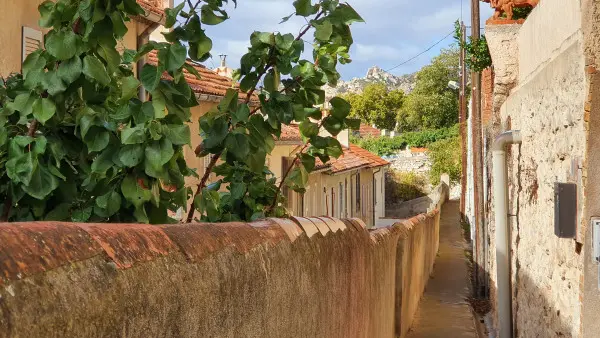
(32, 40)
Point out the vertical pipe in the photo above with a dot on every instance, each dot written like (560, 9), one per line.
(500, 179)
(462, 120)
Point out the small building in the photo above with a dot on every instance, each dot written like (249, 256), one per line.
(350, 186)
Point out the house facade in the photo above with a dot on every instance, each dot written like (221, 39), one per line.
(534, 199)
(21, 34)
(352, 186)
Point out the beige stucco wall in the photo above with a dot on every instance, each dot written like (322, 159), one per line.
(547, 105)
(14, 15)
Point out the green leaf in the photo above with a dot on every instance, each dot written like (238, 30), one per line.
(210, 18)
(109, 202)
(133, 135)
(20, 168)
(284, 42)
(52, 83)
(176, 57)
(134, 193)
(42, 183)
(63, 44)
(70, 70)
(97, 139)
(46, 14)
(119, 27)
(248, 82)
(43, 109)
(129, 88)
(323, 31)
(229, 101)
(158, 153)
(103, 162)
(132, 7)
(333, 125)
(241, 114)
(305, 8)
(62, 212)
(131, 155)
(309, 129)
(353, 124)
(22, 103)
(238, 190)
(308, 161)
(334, 148)
(272, 81)
(345, 14)
(34, 62)
(340, 108)
(150, 77)
(171, 15)
(81, 215)
(94, 69)
(257, 39)
(177, 134)
(237, 144)
(200, 50)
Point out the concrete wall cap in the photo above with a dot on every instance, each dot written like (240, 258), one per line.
(310, 229)
(321, 225)
(292, 230)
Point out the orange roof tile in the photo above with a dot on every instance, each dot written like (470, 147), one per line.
(419, 150)
(290, 133)
(210, 82)
(353, 157)
(154, 6)
(368, 131)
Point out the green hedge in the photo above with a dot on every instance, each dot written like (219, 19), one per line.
(385, 146)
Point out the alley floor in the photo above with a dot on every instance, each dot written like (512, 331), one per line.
(443, 310)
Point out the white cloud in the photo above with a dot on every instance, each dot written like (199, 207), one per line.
(375, 53)
(440, 20)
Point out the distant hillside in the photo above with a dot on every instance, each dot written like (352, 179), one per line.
(406, 83)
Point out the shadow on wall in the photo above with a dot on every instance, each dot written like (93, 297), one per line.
(533, 314)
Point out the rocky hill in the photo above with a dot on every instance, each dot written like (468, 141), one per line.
(406, 83)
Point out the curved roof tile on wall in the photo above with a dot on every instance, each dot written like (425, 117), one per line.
(154, 6)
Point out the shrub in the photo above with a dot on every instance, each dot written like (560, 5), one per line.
(385, 146)
(405, 186)
(445, 158)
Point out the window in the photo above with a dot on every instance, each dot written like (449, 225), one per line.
(341, 201)
(32, 40)
(358, 192)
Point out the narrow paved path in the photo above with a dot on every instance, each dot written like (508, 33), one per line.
(443, 311)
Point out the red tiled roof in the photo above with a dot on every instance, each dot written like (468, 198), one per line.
(368, 131)
(419, 150)
(290, 133)
(154, 6)
(353, 158)
(210, 82)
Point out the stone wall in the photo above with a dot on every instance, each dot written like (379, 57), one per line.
(414, 163)
(318, 277)
(547, 105)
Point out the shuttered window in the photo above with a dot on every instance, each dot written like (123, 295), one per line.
(32, 40)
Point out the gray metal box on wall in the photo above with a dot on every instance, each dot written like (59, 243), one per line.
(565, 210)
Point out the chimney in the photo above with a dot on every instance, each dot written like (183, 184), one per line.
(223, 70)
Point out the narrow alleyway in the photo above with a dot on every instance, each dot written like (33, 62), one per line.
(444, 311)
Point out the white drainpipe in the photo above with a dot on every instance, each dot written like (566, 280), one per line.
(500, 180)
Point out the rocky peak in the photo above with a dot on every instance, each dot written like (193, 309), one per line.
(406, 83)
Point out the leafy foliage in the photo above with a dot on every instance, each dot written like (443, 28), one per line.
(376, 105)
(385, 146)
(76, 143)
(445, 158)
(477, 52)
(404, 186)
(432, 105)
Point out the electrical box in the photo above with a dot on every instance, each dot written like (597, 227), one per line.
(596, 239)
(565, 210)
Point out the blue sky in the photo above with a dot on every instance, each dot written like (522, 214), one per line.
(395, 30)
